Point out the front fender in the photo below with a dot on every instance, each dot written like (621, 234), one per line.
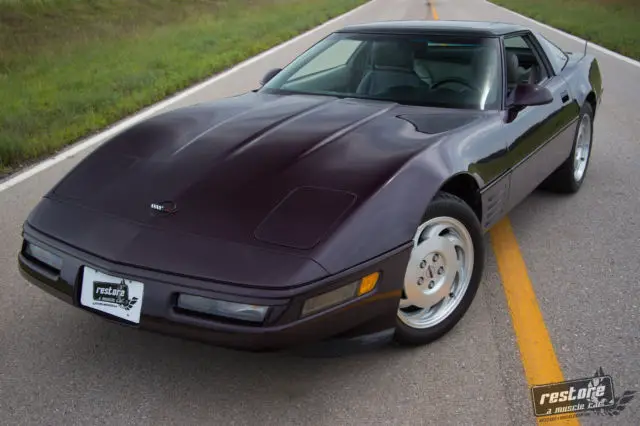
(390, 217)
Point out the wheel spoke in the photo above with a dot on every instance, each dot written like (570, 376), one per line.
(457, 261)
(404, 303)
(436, 230)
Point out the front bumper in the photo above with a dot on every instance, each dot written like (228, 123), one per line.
(357, 320)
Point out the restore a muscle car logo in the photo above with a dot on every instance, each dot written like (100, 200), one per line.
(592, 395)
(164, 207)
(114, 294)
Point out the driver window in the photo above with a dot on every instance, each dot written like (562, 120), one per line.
(523, 64)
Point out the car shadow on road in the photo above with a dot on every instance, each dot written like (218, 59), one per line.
(145, 353)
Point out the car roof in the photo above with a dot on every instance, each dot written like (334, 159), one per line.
(470, 28)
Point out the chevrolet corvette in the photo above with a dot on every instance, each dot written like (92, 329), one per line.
(346, 197)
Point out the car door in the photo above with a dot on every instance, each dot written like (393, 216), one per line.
(540, 136)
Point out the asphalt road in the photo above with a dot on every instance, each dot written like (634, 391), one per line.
(59, 365)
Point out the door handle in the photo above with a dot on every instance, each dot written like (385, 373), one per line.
(565, 97)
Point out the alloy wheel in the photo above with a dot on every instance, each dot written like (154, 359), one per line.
(438, 272)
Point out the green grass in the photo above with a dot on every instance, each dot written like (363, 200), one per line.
(69, 68)
(614, 24)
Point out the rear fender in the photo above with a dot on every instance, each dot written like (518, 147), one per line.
(585, 81)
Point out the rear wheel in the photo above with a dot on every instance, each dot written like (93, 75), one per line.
(569, 176)
(443, 273)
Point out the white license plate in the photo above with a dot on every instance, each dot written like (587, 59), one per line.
(113, 295)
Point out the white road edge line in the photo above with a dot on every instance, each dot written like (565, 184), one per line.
(152, 109)
(572, 37)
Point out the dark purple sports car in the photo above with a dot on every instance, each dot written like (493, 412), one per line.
(346, 198)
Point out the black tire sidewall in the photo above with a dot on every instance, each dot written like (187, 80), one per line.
(448, 205)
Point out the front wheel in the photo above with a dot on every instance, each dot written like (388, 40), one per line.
(443, 273)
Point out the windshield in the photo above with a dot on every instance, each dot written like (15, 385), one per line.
(440, 71)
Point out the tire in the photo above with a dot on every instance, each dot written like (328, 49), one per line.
(566, 179)
(434, 272)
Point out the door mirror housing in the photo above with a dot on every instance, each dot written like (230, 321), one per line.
(269, 75)
(530, 95)
(525, 95)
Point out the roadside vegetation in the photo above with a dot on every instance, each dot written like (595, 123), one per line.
(614, 24)
(69, 68)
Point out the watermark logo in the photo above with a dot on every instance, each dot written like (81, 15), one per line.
(114, 294)
(592, 395)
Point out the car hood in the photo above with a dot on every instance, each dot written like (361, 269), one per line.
(272, 172)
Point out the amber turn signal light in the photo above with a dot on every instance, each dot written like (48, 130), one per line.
(368, 283)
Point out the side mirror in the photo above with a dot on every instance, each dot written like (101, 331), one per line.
(530, 95)
(525, 95)
(269, 75)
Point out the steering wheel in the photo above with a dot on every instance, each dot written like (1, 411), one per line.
(455, 80)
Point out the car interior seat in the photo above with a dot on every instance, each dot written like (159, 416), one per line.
(513, 71)
(391, 65)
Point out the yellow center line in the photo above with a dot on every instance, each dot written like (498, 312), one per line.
(434, 12)
(536, 350)
(538, 357)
